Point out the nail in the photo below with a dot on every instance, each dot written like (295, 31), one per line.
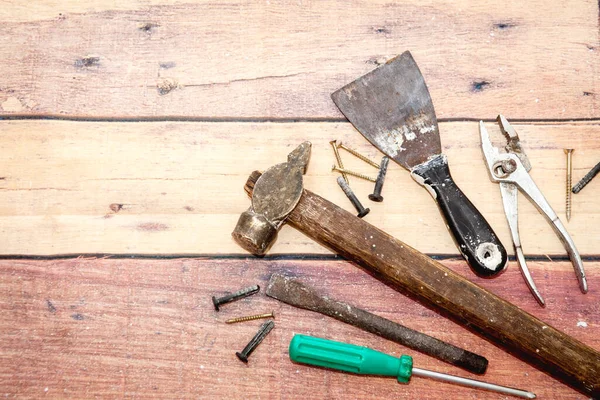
(260, 335)
(586, 179)
(235, 296)
(352, 197)
(376, 195)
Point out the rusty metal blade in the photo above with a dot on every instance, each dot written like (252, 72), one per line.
(391, 107)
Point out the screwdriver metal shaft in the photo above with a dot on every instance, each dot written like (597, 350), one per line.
(472, 383)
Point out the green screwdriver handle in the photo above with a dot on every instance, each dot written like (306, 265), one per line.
(348, 357)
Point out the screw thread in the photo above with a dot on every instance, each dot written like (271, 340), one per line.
(249, 318)
(569, 153)
(352, 173)
(568, 205)
(358, 155)
(338, 158)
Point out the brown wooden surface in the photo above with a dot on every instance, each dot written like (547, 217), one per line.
(180, 185)
(283, 59)
(224, 88)
(142, 328)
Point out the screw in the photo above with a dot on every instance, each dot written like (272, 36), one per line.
(376, 195)
(352, 197)
(235, 296)
(586, 179)
(569, 153)
(356, 174)
(249, 318)
(338, 158)
(358, 155)
(260, 335)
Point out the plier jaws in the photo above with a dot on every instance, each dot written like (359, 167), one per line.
(511, 170)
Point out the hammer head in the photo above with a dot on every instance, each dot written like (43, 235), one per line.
(275, 194)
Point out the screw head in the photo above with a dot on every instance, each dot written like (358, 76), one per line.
(377, 198)
(216, 303)
(363, 213)
(242, 357)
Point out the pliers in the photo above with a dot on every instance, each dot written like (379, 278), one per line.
(511, 170)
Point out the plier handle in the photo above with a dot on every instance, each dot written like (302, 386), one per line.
(511, 170)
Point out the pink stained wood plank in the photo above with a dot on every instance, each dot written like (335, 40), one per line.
(83, 328)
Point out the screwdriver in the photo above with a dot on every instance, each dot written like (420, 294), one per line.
(363, 360)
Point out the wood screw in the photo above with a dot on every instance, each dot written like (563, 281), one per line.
(250, 318)
(376, 195)
(260, 335)
(338, 158)
(235, 296)
(362, 211)
(352, 173)
(569, 153)
(358, 155)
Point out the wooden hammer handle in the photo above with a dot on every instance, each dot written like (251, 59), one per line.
(413, 273)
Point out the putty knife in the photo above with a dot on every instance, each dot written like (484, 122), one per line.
(391, 107)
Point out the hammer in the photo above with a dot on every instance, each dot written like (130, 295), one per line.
(278, 197)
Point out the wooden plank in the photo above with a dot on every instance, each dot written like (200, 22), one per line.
(141, 328)
(177, 188)
(236, 59)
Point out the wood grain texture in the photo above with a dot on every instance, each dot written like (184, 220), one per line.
(137, 328)
(274, 60)
(85, 328)
(174, 187)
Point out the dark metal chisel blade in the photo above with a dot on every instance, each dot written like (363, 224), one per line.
(391, 107)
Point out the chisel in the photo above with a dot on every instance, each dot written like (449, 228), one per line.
(297, 294)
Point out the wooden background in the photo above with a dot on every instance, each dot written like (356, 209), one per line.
(127, 131)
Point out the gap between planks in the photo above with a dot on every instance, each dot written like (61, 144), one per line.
(281, 120)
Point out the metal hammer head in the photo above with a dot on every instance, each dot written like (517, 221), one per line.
(275, 194)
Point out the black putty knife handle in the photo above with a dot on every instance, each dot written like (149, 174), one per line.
(474, 237)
